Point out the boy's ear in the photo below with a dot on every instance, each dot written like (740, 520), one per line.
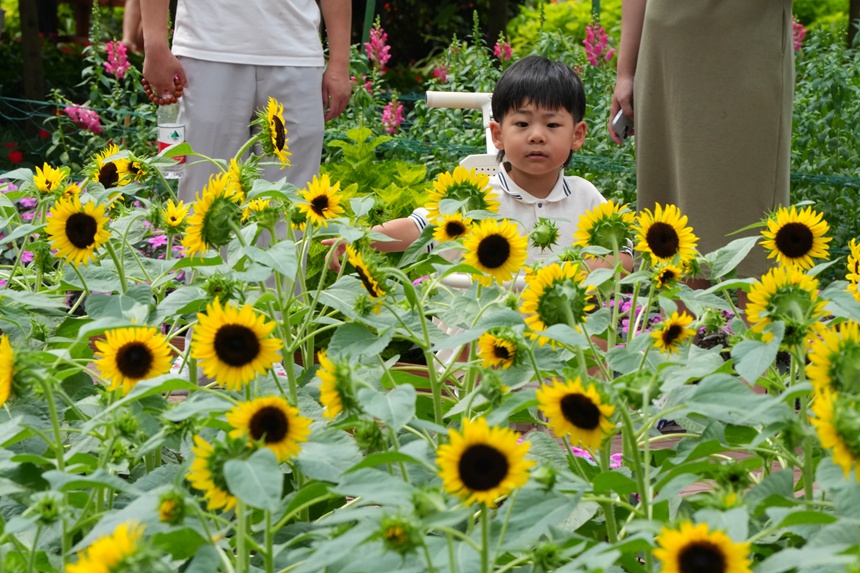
(496, 133)
(579, 131)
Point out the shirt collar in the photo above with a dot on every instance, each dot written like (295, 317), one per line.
(559, 192)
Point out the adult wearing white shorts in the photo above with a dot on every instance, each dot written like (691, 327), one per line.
(231, 57)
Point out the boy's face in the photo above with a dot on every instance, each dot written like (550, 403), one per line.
(537, 141)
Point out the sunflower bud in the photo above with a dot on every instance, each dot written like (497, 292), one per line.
(171, 507)
(399, 534)
(569, 255)
(369, 436)
(545, 234)
(223, 216)
(428, 502)
(126, 425)
(545, 475)
(548, 556)
(48, 505)
(492, 388)
(223, 288)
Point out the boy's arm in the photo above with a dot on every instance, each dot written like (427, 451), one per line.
(336, 87)
(159, 63)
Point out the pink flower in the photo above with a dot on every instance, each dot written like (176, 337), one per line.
(28, 215)
(157, 241)
(392, 116)
(420, 280)
(27, 202)
(27, 257)
(615, 460)
(441, 74)
(368, 85)
(117, 60)
(85, 118)
(595, 45)
(376, 49)
(503, 51)
(798, 31)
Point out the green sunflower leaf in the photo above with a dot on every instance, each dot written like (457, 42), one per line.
(257, 481)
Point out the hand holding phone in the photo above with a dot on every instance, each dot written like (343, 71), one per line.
(622, 125)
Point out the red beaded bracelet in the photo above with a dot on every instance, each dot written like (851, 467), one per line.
(163, 100)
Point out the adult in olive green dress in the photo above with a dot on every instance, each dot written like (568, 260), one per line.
(712, 85)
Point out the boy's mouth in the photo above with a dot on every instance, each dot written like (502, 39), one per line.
(536, 155)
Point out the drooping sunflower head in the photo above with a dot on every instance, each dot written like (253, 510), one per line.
(498, 349)
(76, 230)
(234, 344)
(216, 214)
(834, 359)
(853, 274)
(609, 225)
(674, 332)
(789, 295)
(110, 552)
(337, 390)
(71, 190)
(497, 249)
(240, 178)
(171, 507)
(837, 422)
(482, 463)
(367, 268)
(796, 237)
(667, 276)
(464, 186)
(323, 201)
(575, 410)
(272, 422)
(109, 168)
(206, 473)
(7, 369)
(49, 179)
(137, 168)
(174, 214)
(697, 549)
(273, 133)
(260, 210)
(451, 226)
(556, 294)
(128, 355)
(665, 236)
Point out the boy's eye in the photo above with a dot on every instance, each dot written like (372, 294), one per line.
(553, 125)
(521, 124)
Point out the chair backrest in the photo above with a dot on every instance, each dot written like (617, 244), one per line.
(481, 163)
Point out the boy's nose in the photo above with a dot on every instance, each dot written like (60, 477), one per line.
(536, 136)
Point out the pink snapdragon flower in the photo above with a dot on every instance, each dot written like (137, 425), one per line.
(440, 73)
(378, 52)
(798, 32)
(615, 460)
(157, 241)
(503, 51)
(117, 59)
(595, 45)
(27, 257)
(367, 84)
(85, 118)
(392, 116)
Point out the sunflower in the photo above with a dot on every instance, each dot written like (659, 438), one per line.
(137, 169)
(451, 227)
(76, 230)
(255, 207)
(174, 215)
(464, 185)
(48, 179)
(216, 213)
(71, 190)
(571, 409)
(7, 369)
(323, 201)
(171, 507)
(696, 549)
(273, 133)
(233, 344)
(107, 553)
(794, 237)
(837, 421)
(497, 350)
(239, 177)
(335, 388)
(129, 355)
(664, 235)
(609, 225)
(789, 295)
(207, 474)
(372, 284)
(483, 463)
(834, 359)
(495, 248)
(853, 275)
(556, 294)
(667, 276)
(673, 333)
(272, 420)
(110, 173)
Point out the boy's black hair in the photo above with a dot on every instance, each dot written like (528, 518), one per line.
(542, 82)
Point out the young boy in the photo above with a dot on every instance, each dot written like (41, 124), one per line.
(538, 108)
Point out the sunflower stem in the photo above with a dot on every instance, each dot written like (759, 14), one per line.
(31, 562)
(608, 508)
(242, 565)
(245, 147)
(485, 538)
(270, 538)
(58, 447)
(119, 270)
(86, 289)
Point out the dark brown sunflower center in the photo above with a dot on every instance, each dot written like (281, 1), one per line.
(134, 360)
(81, 230)
(369, 284)
(482, 467)
(663, 240)
(108, 175)
(270, 422)
(320, 205)
(279, 134)
(455, 229)
(501, 352)
(672, 334)
(493, 251)
(580, 411)
(701, 557)
(794, 240)
(667, 276)
(236, 345)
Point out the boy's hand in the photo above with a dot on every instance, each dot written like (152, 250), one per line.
(338, 251)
